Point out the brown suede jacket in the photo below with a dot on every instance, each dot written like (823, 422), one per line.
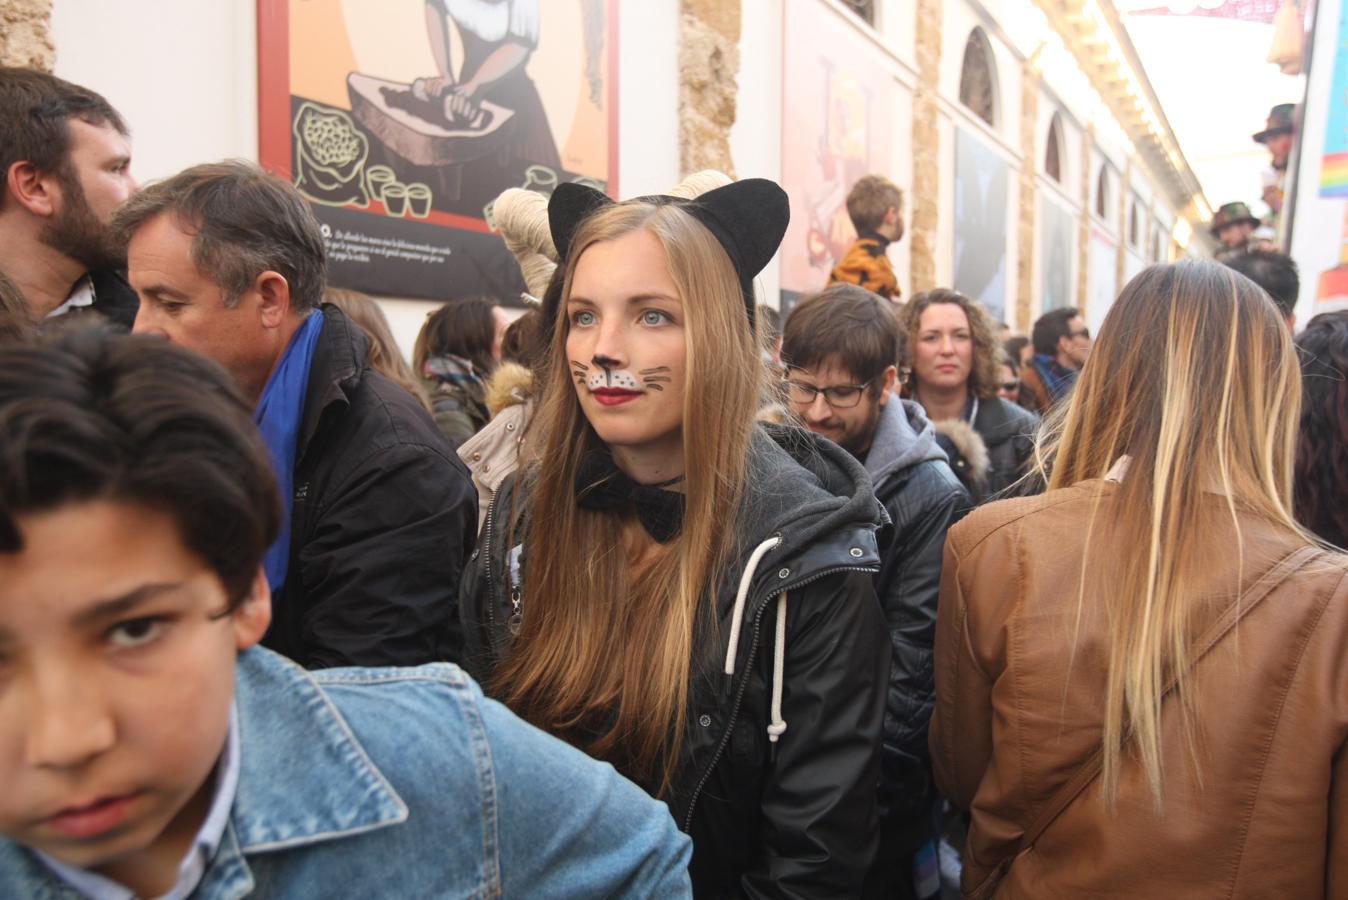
(1262, 813)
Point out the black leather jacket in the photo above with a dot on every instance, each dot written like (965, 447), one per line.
(923, 498)
(796, 818)
(1008, 433)
(383, 518)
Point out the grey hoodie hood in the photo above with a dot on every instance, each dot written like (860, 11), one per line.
(904, 437)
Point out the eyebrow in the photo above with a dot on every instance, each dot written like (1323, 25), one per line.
(118, 606)
(156, 291)
(110, 609)
(635, 298)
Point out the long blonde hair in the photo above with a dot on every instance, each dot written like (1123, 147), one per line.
(1193, 378)
(605, 652)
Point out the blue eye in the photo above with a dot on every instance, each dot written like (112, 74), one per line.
(654, 317)
(583, 318)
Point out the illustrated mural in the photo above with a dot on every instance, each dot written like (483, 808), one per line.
(402, 120)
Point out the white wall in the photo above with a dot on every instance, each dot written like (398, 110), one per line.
(183, 74)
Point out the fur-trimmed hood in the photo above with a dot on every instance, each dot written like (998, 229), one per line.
(510, 385)
(967, 452)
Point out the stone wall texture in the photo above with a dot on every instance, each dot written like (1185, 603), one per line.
(25, 34)
(1025, 223)
(926, 193)
(709, 63)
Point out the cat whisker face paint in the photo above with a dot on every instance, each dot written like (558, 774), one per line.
(655, 379)
(626, 349)
(610, 386)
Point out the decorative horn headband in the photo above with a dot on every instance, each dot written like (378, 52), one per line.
(748, 219)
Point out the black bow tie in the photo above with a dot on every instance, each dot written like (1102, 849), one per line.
(601, 485)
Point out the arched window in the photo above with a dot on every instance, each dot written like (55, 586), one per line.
(1102, 193)
(1053, 149)
(1132, 224)
(978, 78)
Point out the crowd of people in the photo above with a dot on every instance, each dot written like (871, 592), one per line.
(647, 592)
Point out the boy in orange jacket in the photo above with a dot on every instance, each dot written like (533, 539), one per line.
(875, 205)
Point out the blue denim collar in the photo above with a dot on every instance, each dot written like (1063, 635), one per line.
(304, 779)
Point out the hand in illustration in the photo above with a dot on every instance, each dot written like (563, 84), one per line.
(462, 102)
(431, 88)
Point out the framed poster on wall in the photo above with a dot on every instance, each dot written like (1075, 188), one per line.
(982, 180)
(402, 120)
(836, 127)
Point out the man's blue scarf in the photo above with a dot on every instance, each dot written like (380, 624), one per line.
(1056, 377)
(278, 415)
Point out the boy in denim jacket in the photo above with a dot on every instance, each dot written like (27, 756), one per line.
(148, 748)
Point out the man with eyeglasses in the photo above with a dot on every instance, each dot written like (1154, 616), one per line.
(840, 348)
(1061, 344)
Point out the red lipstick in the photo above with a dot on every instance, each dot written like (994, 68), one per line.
(609, 396)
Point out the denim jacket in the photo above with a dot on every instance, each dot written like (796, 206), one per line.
(409, 783)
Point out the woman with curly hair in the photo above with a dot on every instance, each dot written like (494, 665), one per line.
(1321, 486)
(952, 350)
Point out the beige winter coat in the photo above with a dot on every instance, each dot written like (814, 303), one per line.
(497, 450)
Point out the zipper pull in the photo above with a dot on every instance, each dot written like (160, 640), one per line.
(516, 618)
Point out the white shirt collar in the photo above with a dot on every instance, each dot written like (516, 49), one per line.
(81, 295)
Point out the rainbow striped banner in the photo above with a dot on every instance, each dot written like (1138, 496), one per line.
(1334, 163)
(1334, 175)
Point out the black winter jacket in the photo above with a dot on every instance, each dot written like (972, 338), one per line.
(992, 454)
(923, 499)
(115, 298)
(384, 516)
(1008, 433)
(796, 819)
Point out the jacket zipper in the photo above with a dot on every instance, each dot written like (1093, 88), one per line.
(744, 683)
(487, 566)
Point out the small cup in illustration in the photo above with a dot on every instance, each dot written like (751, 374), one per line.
(395, 199)
(419, 199)
(377, 177)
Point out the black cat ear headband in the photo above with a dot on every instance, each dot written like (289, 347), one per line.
(748, 219)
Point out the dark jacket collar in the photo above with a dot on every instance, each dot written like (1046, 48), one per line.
(999, 419)
(812, 493)
(866, 234)
(337, 369)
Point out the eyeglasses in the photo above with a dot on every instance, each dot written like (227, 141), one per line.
(1009, 385)
(1085, 332)
(838, 396)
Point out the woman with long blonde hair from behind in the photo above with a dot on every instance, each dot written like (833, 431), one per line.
(1141, 678)
(672, 588)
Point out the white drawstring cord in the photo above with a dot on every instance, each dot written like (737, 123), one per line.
(778, 724)
(737, 618)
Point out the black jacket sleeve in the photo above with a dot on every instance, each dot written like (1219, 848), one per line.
(929, 501)
(819, 804)
(385, 557)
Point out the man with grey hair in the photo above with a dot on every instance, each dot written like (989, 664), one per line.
(379, 511)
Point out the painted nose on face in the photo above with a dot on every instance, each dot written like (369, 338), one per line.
(69, 724)
(610, 349)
